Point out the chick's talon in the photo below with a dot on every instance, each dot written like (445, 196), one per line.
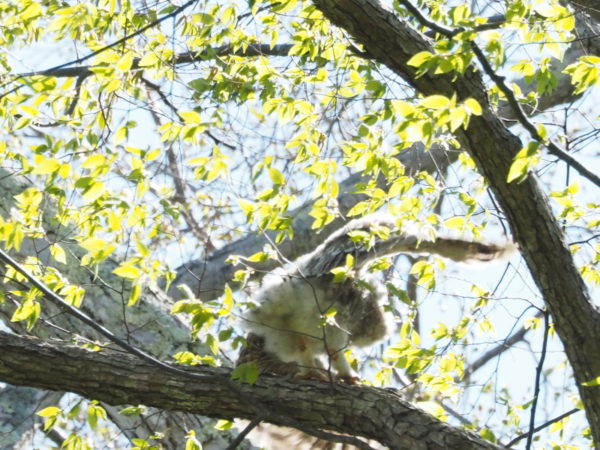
(349, 379)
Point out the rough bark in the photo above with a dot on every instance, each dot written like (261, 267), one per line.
(119, 379)
(392, 41)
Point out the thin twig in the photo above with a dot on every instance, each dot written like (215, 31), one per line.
(63, 71)
(499, 349)
(585, 241)
(242, 435)
(542, 426)
(538, 378)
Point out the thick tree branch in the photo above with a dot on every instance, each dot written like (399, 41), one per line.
(120, 379)
(168, 368)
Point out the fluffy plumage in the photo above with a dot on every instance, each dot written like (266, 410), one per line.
(304, 321)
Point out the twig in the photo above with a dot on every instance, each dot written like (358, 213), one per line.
(585, 241)
(505, 345)
(242, 435)
(75, 99)
(538, 377)
(63, 71)
(542, 426)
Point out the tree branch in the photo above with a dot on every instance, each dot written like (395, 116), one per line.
(538, 379)
(125, 38)
(119, 379)
(542, 426)
(507, 344)
(64, 71)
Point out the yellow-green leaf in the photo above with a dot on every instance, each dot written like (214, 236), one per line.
(128, 272)
(593, 382)
(457, 222)
(473, 106)
(58, 253)
(435, 102)
(50, 411)
(149, 59)
(276, 176)
(418, 59)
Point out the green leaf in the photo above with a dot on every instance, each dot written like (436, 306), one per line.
(246, 373)
(190, 117)
(526, 159)
(419, 59)
(127, 271)
(29, 310)
(94, 414)
(473, 106)
(93, 191)
(149, 59)
(50, 411)
(191, 443)
(435, 102)
(276, 176)
(134, 294)
(132, 410)
(58, 253)
(223, 425)
(593, 382)
(227, 302)
(456, 223)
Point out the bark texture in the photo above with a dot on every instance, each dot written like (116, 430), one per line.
(119, 379)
